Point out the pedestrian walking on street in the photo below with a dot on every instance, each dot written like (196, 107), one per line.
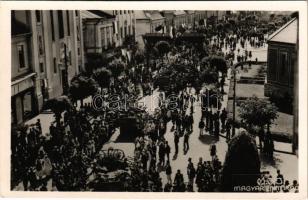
(228, 129)
(186, 143)
(168, 172)
(190, 122)
(201, 127)
(211, 122)
(207, 118)
(223, 117)
(191, 173)
(161, 153)
(167, 151)
(216, 128)
(176, 142)
(213, 151)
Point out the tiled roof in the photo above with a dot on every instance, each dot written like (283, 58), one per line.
(151, 15)
(139, 14)
(286, 34)
(95, 14)
(190, 11)
(156, 15)
(102, 13)
(89, 15)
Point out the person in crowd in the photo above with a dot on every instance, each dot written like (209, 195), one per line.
(213, 151)
(161, 153)
(169, 172)
(201, 127)
(186, 142)
(176, 142)
(167, 151)
(223, 117)
(279, 179)
(191, 173)
(178, 181)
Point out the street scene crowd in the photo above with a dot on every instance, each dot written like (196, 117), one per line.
(188, 77)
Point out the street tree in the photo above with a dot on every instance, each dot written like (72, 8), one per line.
(58, 106)
(208, 75)
(102, 76)
(242, 163)
(219, 62)
(95, 61)
(82, 87)
(116, 67)
(257, 113)
(163, 47)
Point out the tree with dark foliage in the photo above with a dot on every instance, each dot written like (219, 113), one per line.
(242, 163)
(82, 87)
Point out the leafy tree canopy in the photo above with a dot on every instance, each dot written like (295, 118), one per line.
(258, 112)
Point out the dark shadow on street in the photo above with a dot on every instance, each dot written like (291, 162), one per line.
(208, 139)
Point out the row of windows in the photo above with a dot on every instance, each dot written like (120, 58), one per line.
(116, 12)
(126, 31)
(22, 59)
(60, 22)
(61, 19)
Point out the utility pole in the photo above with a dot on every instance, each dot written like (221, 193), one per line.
(234, 96)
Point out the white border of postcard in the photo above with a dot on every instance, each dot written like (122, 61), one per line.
(5, 88)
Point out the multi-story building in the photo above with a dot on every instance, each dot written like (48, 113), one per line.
(168, 14)
(190, 17)
(281, 61)
(124, 25)
(201, 15)
(148, 22)
(98, 30)
(23, 86)
(282, 72)
(179, 18)
(47, 51)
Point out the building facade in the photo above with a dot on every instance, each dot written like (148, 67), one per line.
(124, 26)
(281, 61)
(282, 72)
(98, 31)
(180, 18)
(148, 22)
(23, 77)
(47, 51)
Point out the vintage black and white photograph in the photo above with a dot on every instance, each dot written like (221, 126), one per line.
(154, 101)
